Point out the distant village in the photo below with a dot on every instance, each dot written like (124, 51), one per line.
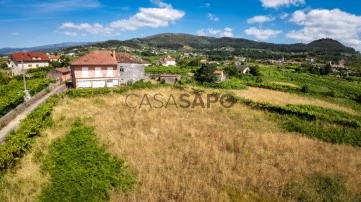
(108, 68)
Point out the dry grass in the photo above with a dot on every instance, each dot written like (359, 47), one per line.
(26, 181)
(283, 98)
(209, 154)
(285, 84)
(195, 154)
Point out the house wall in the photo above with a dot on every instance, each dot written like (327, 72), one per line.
(92, 80)
(131, 72)
(170, 63)
(16, 67)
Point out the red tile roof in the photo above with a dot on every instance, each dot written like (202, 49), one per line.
(62, 70)
(30, 57)
(126, 58)
(54, 57)
(96, 58)
(218, 72)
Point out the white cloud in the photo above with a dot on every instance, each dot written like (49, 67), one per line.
(260, 19)
(15, 33)
(323, 23)
(284, 16)
(161, 16)
(71, 33)
(227, 32)
(214, 32)
(150, 17)
(262, 34)
(206, 5)
(62, 5)
(280, 3)
(96, 29)
(201, 32)
(212, 17)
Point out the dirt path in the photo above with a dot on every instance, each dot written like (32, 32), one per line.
(16, 122)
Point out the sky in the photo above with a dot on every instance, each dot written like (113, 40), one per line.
(27, 23)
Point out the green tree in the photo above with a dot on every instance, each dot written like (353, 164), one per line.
(3, 65)
(206, 73)
(255, 70)
(64, 61)
(231, 70)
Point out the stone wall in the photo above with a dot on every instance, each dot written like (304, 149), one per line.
(131, 72)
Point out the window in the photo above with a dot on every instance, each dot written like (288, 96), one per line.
(84, 72)
(98, 71)
(30, 65)
(110, 72)
(121, 69)
(37, 65)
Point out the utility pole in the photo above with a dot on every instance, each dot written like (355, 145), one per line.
(26, 92)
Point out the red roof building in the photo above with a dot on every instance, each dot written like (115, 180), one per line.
(22, 61)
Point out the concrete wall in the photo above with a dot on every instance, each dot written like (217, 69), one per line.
(16, 68)
(131, 72)
(20, 108)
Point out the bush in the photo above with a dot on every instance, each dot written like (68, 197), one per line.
(21, 140)
(305, 89)
(81, 170)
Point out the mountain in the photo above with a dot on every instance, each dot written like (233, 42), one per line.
(169, 40)
(46, 48)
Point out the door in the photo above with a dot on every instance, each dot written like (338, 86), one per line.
(98, 72)
(110, 72)
(84, 84)
(99, 84)
(85, 72)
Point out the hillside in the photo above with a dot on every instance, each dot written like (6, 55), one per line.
(45, 48)
(179, 40)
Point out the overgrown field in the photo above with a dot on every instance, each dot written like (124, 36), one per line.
(244, 153)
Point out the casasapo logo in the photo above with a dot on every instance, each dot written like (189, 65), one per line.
(184, 101)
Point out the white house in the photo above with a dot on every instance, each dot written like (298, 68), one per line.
(27, 60)
(168, 61)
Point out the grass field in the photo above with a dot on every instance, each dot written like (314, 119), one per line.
(217, 154)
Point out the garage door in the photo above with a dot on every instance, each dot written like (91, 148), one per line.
(112, 83)
(84, 84)
(99, 84)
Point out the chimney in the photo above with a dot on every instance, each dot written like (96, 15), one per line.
(113, 53)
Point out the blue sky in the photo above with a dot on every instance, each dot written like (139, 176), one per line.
(26, 23)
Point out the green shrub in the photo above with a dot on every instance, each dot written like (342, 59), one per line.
(81, 170)
(21, 140)
(305, 89)
(318, 187)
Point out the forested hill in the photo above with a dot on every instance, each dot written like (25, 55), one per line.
(176, 41)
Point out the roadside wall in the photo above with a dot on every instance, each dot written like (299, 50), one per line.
(20, 108)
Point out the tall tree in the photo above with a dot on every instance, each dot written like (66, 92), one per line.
(206, 73)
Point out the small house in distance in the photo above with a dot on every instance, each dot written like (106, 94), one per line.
(60, 75)
(130, 68)
(27, 60)
(220, 75)
(243, 69)
(168, 61)
(54, 58)
(170, 78)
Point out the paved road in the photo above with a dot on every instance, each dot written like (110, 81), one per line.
(16, 122)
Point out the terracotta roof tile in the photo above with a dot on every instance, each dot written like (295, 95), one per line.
(126, 58)
(62, 70)
(30, 57)
(96, 58)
